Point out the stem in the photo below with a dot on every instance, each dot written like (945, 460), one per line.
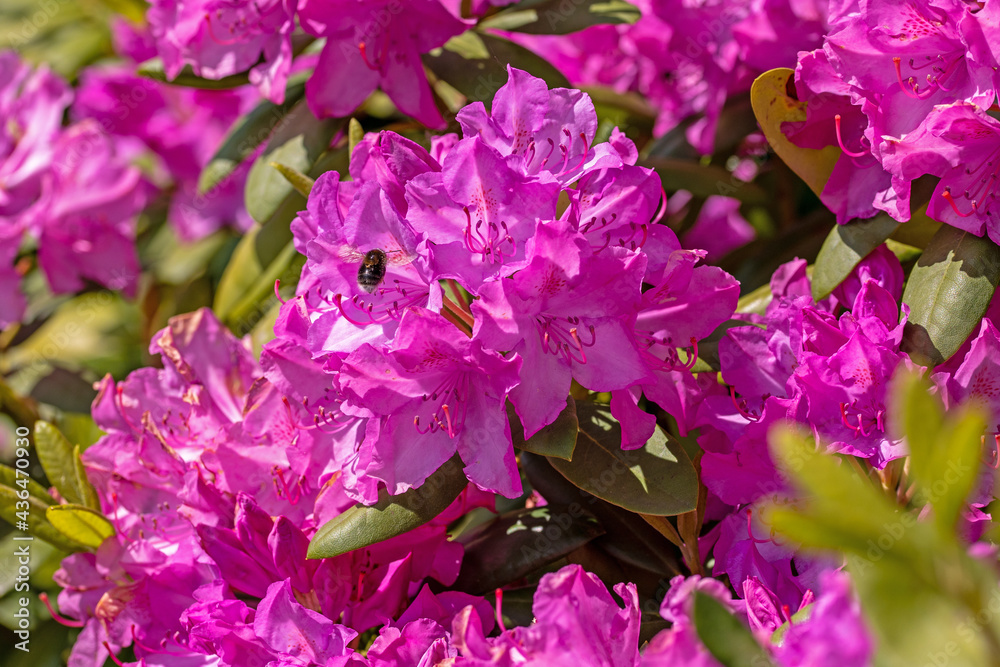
(457, 311)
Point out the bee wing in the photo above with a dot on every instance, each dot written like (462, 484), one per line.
(350, 254)
(398, 257)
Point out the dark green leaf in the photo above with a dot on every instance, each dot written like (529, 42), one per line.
(58, 459)
(726, 638)
(363, 526)
(657, 479)
(558, 17)
(153, 69)
(557, 439)
(298, 143)
(38, 525)
(249, 132)
(629, 539)
(705, 181)
(520, 542)
(844, 248)
(475, 64)
(948, 292)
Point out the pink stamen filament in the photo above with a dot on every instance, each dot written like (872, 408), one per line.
(277, 474)
(741, 407)
(455, 386)
(951, 200)
(277, 294)
(490, 244)
(111, 654)
(556, 340)
(500, 624)
(56, 616)
(663, 206)
(840, 141)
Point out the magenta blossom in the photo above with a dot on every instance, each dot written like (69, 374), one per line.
(375, 43)
(223, 37)
(433, 393)
(548, 314)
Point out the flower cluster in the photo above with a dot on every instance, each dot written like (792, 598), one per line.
(904, 91)
(368, 43)
(685, 58)
(558, 292)
(70, 189)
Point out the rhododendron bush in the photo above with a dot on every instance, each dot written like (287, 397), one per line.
(489, 332)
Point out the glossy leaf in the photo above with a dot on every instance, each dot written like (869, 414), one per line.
(657, 479)
(520, 542)
(59, 459)
(80, 524)
(88, 494)
(558, 17)
(247, 133)
(298, 143)
(475, 64)
(362, 526)
(773, 106)
(628, 538)
(10, 478)
(844, 248)
(726, 638)
(558, 439)
(153, 69)
(37, 524)
(947, 292)
(704, 181)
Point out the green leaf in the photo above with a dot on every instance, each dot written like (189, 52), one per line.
(773, 106)
(558, 439)
(726, 638)
(61, 463)
(704, 181)
(9, 477)
(558, 17)
(355, 133)
(475, 64)
(945, 451)
(362, 526)
(844, 248)
(298, 143)
(247, 133)
(38, 525)
(80, 523)
(302, 183)
(840, 510)
(657, 479)
(520, 542)
(88, 494)
(154, 69)
(948, 292)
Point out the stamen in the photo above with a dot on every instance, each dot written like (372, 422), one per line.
(951, 200)
(840, 141)
(277, 294)
(56, 616)
(499, 596)
(114, 658)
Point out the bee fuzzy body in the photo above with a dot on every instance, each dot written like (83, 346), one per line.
(371, 273)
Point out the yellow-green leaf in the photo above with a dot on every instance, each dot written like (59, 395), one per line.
(80, 524)
(773, 106)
